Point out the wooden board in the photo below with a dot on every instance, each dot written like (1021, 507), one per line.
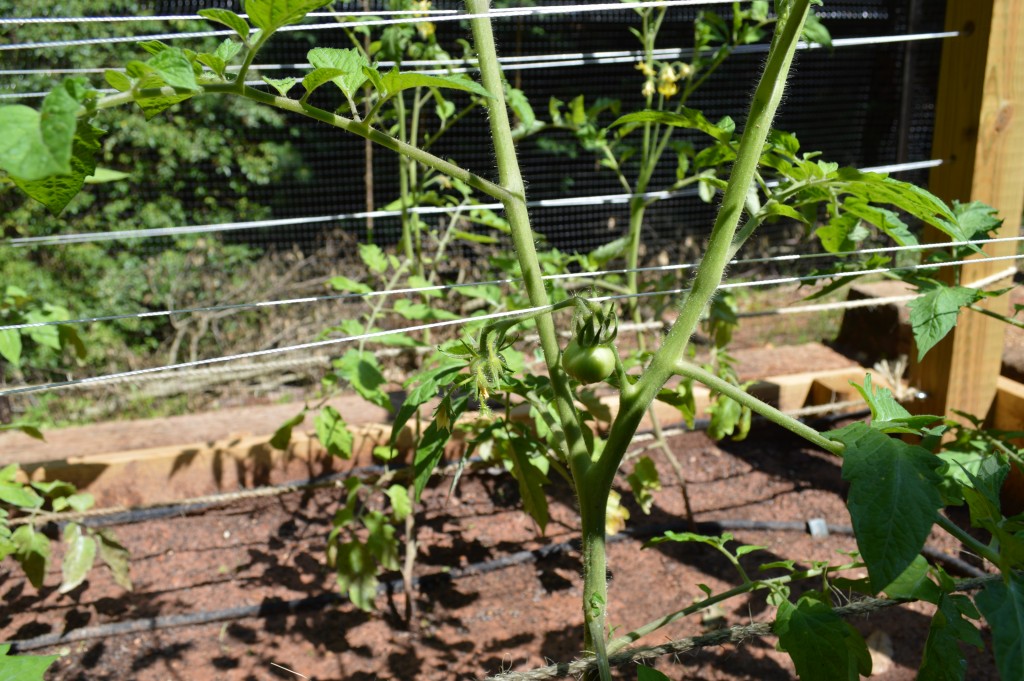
(979, 136)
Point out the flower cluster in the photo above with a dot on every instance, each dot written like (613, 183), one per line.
(665, 81)
(426, 28)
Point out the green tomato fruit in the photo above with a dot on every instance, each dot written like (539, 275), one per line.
(588, 365)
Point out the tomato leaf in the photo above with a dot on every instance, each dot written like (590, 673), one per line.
(934, 314)
(531, 481)
(229, 19)
(333, 432)
(893, 498)
(23, 667)
(822, 645)
(348, 65)
(1002, 604)
(283, 435)
(684, 118)
(115, 556)
(361, 370)
(79, 555)
(271, 15)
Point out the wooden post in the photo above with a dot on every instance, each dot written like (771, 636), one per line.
(979, 135)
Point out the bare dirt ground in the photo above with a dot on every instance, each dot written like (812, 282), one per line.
(468, 623)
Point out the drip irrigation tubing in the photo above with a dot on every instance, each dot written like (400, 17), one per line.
(279, 607)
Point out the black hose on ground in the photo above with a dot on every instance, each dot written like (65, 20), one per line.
(278, 607)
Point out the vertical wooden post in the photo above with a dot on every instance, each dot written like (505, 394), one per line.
(979, 135)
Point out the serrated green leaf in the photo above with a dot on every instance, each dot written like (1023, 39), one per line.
(333, 433)
(842, 233)
(373, 257)
(56, 192)
(357, 574)
(10, 346)
(106, 175)
(1002, 604)
(882, 218)
(216, 64)
(318, 77)
(888, 415)
(271, 15)
(349, 64)
(23, 667)
(644, 481)
(822, 645)
(115, 556)
(934, 314)
(35, 145)
(395, 81)
(976, 219)
(174, 68)
(381, 540)
(229, 19)
(282, 85)
(531, 481)
(19, 495)
(914, 583)
(117, 80)
(361, 370)
(429, 451)
(33, 552)
(685, 118)
(428, 384)
(79, 555)
(893, 499)
(283, 435)
(347, 285)
(943, 660)
(401, 505)
(878, 188)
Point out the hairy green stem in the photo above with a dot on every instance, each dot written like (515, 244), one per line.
(595, 587)
(967, 540)
(758, 407)
(765, 102)
(362, 129)
(617, 644)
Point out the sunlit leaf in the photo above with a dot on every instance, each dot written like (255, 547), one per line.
(822, 645)
(893, 498)
(333, 432)
(79, 555)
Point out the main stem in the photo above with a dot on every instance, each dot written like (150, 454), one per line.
(511, 180)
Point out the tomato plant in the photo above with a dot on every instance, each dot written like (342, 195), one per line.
(897, 487)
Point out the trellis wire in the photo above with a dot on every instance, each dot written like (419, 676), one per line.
(195, 17)
(458, 16)
(213, 228)
(486, 317)
(498, 282)
(514, 63)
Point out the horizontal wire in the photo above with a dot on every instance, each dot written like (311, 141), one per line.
(17, 21)
(870, 302)
(459, 16)
(576, 201)
(487, 317)
(534, 60)
(498, 282)
(513, 63)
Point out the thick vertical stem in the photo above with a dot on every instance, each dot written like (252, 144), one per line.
(592, 506)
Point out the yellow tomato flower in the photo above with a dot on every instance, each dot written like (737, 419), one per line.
(648, 90)
(646, 69)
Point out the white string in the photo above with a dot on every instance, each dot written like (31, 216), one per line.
(575, 201)
(195, 17)
(872, 302)
(500, 282)
(458, 16)
(480, 318)
(513, 63)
